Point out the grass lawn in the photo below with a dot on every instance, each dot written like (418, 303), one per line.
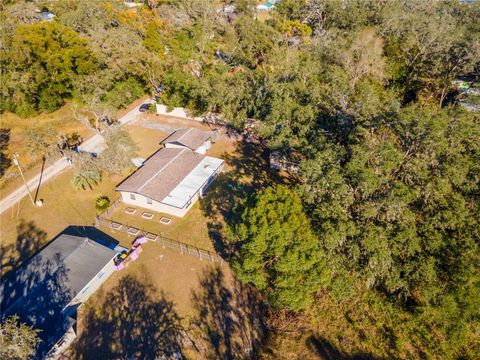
(175, 274)
(175, 299)
(147, 140)
(61, 120)
(25, 228)
(192, 229)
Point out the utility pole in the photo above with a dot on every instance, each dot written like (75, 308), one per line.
(15, 161)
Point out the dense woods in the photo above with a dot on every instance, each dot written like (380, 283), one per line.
(375, 244)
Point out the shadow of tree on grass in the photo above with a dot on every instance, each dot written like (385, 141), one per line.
(247, 172)
(229, 318)
(30, 239)
(5, 160)
(325, 350)
(134, 322)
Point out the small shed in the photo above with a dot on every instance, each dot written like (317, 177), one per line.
(284, 162)
(190, 138)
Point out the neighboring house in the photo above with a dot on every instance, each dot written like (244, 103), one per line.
(267, 6)
(283, 162)
(172, 179)
(46, 16)
(191, 138)
(46, 291)
(132, 4)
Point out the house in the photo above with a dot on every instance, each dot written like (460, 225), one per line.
(267, 6)
(46, 16)
(283, 162)
(172, 179)
(46, 291)
(191, 138)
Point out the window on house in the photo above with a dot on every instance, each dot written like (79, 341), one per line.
(149, 201)
(132, 196)
(85, 289)
(101, 274)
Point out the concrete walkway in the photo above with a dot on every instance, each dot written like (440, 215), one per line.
(94, 144)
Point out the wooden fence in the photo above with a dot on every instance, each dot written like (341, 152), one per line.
(162, 240)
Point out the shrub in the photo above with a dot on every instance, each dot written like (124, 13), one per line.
(102, 203)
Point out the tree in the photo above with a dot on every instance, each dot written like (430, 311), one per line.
(279, 253)
(364, 57)
(43, 63)
(87, 173)
(18, 341)
(42, 141)
(119, 152)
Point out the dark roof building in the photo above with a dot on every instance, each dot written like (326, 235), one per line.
(44, 291)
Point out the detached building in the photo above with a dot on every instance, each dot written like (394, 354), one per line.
(46, 291)
(194, 139)
(173, 178)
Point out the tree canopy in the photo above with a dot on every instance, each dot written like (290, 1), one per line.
(279, 252)
(18, 341)
(44, 61)
(379, 232)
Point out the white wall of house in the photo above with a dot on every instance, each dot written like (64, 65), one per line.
(91, 287)
(150, 204)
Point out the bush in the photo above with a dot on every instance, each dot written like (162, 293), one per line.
(102, 203)
(124, 92)
(152, 108)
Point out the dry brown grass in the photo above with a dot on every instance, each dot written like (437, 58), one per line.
(174, 273)
(192, 229)
(63, 206)
(61, 120)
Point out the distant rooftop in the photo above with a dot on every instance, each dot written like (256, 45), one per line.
(46, 16)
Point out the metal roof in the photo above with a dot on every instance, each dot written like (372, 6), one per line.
(193, 182)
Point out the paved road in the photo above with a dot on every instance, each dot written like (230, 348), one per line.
(94, 144)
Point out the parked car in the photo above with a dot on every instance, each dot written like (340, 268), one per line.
(144, 107)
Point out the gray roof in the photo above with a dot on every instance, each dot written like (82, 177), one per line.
(39, 290)
(191, 138)
(161, 173)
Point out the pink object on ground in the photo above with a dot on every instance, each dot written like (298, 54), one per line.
(134, 255)
(140, 240)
